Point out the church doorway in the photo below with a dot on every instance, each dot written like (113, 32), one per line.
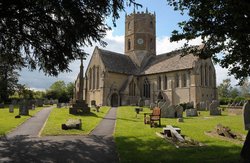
(114, 100)
(160, 96)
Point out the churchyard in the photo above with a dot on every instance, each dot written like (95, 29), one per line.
(137, 142)
(8, 120)
(59, 116)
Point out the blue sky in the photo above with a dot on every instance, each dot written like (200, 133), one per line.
(166, 22)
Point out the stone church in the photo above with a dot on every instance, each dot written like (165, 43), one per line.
(142, 75)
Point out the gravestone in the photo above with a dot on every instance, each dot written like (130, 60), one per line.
(171, 112)
(246, 115)
(11, 108)
(23, 110)
(59, 105)
(152, 106)
(33, 107)
(1, 105)
(214, 110)
(202, 105)
(191, 113)
(140, 102)
(160, 104)
(39, 103)
(147, 102)
(179, 111)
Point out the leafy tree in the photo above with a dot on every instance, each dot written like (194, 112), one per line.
(234, 92)
(224, 88)
(224, 28)
(8, 76)
(245, 88)
(61, 91)
(49, 34)
(70, 89)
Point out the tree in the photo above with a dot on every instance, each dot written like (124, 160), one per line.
(224, 29)
(234, 92)
(49, 34)
(61, 91)
(8, 76)
(224, 88)
(245, 88)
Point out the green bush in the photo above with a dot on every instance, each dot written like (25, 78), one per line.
(225, 100)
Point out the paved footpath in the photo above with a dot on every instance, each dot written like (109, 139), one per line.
(99, 146)
(32, 126)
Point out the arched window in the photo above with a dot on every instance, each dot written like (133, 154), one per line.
(206, 75)
(90, 79)
(184, 80)
(210, 76)
(129, 25)
(146, 88)
(151, 24)
(151, 44)
(165, 82)
(132, 88)
(201, 75)
(177, 82)
(93, 76)
(97, 77)
(129, 44)
(159, 83)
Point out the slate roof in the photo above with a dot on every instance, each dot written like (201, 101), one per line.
(116, 62)
(168, 62)
(172, 61)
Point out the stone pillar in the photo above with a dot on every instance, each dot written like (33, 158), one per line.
(81, 82)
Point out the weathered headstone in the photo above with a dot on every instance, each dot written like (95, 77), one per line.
(160, 104)
(147, 102)
(191, 112)
(59, 105)
(23, 110)
(39, 103)
(246, 115)
(152, 106)
(33, 107)
(11, 108)
(214, 110)
(179, 111)
(171, 112)
(140, 102)
(1, 105)
(202, 105)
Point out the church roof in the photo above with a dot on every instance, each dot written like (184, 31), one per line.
(116, 62)
(168, 62)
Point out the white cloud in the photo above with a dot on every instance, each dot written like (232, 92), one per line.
(164, 45)
(37, 80)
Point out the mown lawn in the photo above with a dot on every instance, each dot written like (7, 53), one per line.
(137, 142)
(8, 120)
(59, 116)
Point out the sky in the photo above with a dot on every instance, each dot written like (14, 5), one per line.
(166, 21)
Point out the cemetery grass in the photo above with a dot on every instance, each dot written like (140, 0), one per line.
(137, 142)
(59, 116)
(8, 121)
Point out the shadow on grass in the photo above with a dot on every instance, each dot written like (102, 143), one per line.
(144, 149)
(58, 149)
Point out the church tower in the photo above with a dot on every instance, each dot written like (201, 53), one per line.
(140, 38)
